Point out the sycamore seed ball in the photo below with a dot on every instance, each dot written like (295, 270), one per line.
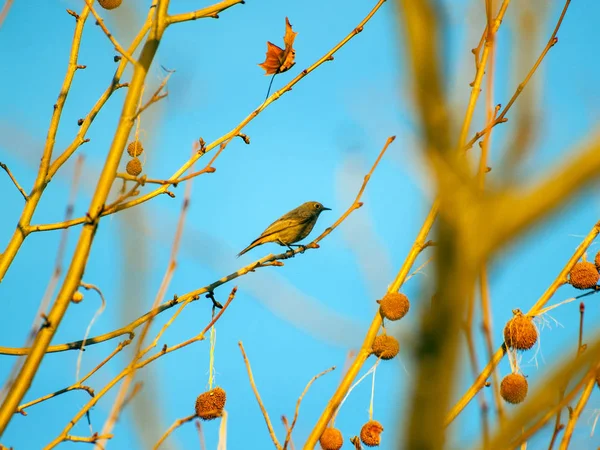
(209, 405)
(135, 148)
(77, 297)
(386, 347)
(513, 388)
(134, 167)
(520, 332)
(110, 4)
(370, 433)
(584, 275)
(394, 306)
(331, 439)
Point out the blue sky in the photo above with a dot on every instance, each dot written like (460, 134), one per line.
(315, 143)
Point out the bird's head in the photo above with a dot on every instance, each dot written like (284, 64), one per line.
(316, 208)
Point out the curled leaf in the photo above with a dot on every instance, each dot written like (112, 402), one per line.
(279, 60)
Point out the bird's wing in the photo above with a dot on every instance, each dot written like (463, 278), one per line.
(283, 223)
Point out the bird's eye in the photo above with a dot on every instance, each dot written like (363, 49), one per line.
(317, 206)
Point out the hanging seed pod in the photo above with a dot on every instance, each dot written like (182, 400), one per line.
(331, 439)
(584, 275)
(370, 433)
(394, 306)
(513, 388)
(209, 405)
(385, 346)
(135, 148)
(109, 4)
(134, 167)
(520, 333)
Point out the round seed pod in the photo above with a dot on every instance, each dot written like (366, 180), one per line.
(77, 297)
(385, 347)
(513, 388)
(394, 306)
(109, 4)
(135, 148)
(597, 261)
(331, 439)
(370, 433)
(134, 167)
(584, 275)
(209, 405)
(519, 332)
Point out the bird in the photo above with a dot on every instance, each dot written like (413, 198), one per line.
(291, 227)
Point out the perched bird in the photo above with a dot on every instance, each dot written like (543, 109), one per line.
(290, 228)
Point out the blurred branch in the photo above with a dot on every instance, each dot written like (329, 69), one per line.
(437, 340)
(258, 399)
(14, 180)
(288, 435)
(5, 9)
(508, 214)
(172, 428)
(209, 11)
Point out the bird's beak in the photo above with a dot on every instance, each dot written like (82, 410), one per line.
(326, 209)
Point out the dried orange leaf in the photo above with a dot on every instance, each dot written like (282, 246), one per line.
(279, 60)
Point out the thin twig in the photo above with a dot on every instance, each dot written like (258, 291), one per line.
(157, 96)
(288, 435)
(200, 434)
(209, 11)
(89, 328)
(14, 180)
(576, 413)
(502, 116)
(109, 35)
(172, 428)
(286, 425)
(258, 399)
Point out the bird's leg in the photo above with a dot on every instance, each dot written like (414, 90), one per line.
(300, 246)
(288, 246)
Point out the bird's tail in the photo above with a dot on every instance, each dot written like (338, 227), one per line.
(250, 247)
